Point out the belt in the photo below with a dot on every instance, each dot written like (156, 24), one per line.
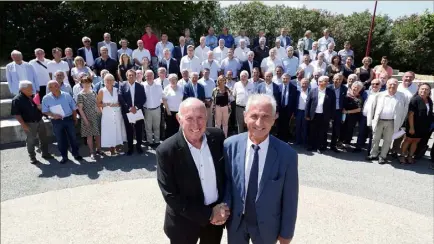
(152, 108)
(67, 117)
(301, 110)
(241, 106)
(387, 119)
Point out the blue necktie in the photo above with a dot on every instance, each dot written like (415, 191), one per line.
(252, 190)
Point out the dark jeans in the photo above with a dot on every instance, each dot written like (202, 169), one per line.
(283, 125)
(300, 128)
(130, 128)
(64, 130)
(42, 92)
(336, 128)
(172, 124)
(318, 127)
(163, 122)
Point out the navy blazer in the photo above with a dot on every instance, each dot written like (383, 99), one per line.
(189, 92)
(277, 197)
(125, 97)
(342, 94)
(329, 105)
(245, 66)
(276, 92)
(81, 52)
(297, 102)
(292, 98)
(176, 53)
(173, 66)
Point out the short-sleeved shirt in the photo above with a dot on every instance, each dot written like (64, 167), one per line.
(173, 97)
(53, 66)
(64, 99)
(229, 40)
(26, 108)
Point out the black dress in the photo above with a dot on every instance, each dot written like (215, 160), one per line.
(364, 75)
(422, 117)
(123, 70)
(350, 103)
(331, 71)
(348, 71)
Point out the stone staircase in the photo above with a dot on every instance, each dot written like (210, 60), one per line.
(10, 128)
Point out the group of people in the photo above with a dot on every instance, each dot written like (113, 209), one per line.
(312, 84)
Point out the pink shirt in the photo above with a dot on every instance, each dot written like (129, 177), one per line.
(378, 70)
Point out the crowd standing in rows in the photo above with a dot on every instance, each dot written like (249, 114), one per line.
(315, 86)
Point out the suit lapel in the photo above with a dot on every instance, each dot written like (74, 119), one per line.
(270, 159)
(241, 165)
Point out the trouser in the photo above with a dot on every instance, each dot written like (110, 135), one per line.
(36, 129)
(210, 117)
(336, 127)
(152, 125)
(64, 130)
(432, 153)
(239, 114)
(130, 129)
(208, 234)
(42, 92)
(349, 125)
(318, 127)
(163, 123)
(172, 124)
(154, 61)
(244, 234)
(232, 119)
(300, 127)
(221, 118)
(384, 130)
(283, 124)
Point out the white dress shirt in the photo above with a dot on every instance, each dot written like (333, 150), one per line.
(308, 70)
(302, 100)
(242, 92)
(329, 55)
(201, 53)
(277, 80)
(281, 52)
(388, 111)
(53, 66)
(205, 167)
(90, 59)
(250, 153)
(270, 65)
(238, 38)
(313, 54)
(109, 49)
(163, 83)
(319, 107)
(241, 54)
(368, 103)
(132, 91)
(323, 42)
(140, 54)
(213, 66)
(269, 88)
(191, 64)
(183, 82)
(220, 54)
(290, 65)
(154, 94)
(21, 72)
(173, 97)
(408, 91)
(231, 84)
(208, 86)
(320, 68)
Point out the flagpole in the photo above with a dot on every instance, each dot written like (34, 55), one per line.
(368, 46)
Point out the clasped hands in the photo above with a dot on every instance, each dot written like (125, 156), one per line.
(220, 213)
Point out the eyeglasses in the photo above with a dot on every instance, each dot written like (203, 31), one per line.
(375, 84)
(86, 41)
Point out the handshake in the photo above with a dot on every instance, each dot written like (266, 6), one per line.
(220, 213)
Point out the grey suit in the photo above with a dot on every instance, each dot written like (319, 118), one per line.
(113, 52)
(277, 196)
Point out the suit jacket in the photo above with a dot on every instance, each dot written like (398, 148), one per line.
(245, 66)
(176, 53)
(277, 198)
(329, 105)
(173, 66)
(291, 107)
(297, 53)
(297, 99)
(180, 184)
(287, 41)
(310, 42)
(276, 92)
(125, 97)
(342, 94)
(401, 110)
(82, 53)
(113, 49)
(14, 80)
(189, 91)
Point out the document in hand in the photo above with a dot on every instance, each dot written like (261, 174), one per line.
(398, 134)
(132, 118)
(57, 109)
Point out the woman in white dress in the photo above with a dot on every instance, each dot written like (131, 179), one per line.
(113, 132)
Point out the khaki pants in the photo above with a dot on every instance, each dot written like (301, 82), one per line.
(152, 125)
(37, 130)
(222, 118)
(209, 114)
(384, 130)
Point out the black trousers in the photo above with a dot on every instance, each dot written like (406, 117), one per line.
(130, 129)
(349, 125)
(318, 127)
(42, 92)
(283, 129)
(163, 123)
(172, 124)
(336, 128)
(232, 118)
(209, 234)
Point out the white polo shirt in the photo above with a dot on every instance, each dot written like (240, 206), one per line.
(242, 92)
(154, 94)
(191, 64)
(53, 66)
(140, 54)
(201, 53)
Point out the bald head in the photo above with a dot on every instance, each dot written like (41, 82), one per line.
(191, 103)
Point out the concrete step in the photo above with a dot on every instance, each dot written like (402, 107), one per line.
(4, 91)
(395, 72)
(11, 131)
(5, 108)
(398, 77)
(3, 74)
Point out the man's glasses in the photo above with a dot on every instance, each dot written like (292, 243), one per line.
(86, 41)
(375, 84)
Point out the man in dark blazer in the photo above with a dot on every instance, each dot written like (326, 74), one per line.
(287, 106)
(180, 51)
(340, 93)
(320, 107)
(105, 62)
(191, 177)
(171, 65)
(87, 47)
(261, 180)
(250, 63)
(262, 88)
(256, 40)
(132, 97)
(194, 89)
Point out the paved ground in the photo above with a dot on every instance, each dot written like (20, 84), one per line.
(342, 200)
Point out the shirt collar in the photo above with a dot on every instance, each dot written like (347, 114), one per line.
(262, 145)
(204, 142)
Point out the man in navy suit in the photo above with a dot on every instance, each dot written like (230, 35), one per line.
(180, 51)
(270, 88)
(261, 179)
(88, 53)
(170, 64)
(301, 124)
(132, 97)
(194, 89)
(340, 93)
(288, 102)
(250, 63)
(320, 107)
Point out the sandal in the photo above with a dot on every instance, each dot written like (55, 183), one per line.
(402, 160)
(410, 160)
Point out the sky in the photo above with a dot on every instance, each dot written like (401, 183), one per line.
(393, 9)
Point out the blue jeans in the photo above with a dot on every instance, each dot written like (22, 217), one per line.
(300, 128)
(64, 130)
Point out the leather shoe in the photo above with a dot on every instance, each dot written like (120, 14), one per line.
(139, 151)
(33, 161)
(130, 152)
(370, 157)
(64, 160)
(47, 156)
(78, 158)
(319, 151)
(335, 149)
(381, 161)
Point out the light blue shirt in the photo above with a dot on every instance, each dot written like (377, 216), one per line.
(230, 64)
(64, 87)
(160, 47)
(13, 76)
(128, 51)
(211, 41)
(65, 100)
(290, 65)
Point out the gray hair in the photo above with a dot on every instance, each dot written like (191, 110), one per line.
(149, 71)
(308, 32)
(187, 102)
(330, 44)
(85, 38)
(161, 69)
(109, 77)
(259, 98)
(251, 52)
(194, 74)
(171, 76)
(358, 83)
(39, 49)
(244, 72)
(222, 40)
(166, 50)
(242, 40)
(16, 52)
(354, 76)
(262, 39)
(286, 75)
(58, 71)
(323, 78)
(103, 47)
(289, 47)
(104, 72)
(278, 40)
(338, 75)
(51, 82)
(25, 84)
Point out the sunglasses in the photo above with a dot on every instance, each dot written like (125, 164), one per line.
(86, 41)
(375, 84)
